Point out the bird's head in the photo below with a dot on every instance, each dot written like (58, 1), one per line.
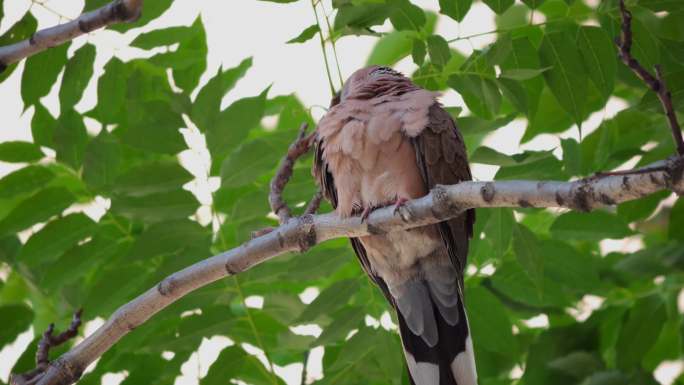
(363, 83)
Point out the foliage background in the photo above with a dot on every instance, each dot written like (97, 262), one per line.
(98, 206)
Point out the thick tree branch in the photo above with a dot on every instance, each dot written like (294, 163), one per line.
(655, 83)
(299, 234)
(115, 12)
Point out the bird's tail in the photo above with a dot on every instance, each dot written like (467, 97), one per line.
(446, 360)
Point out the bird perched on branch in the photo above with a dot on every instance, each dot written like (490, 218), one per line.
(386, 141)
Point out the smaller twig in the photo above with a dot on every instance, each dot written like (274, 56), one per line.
(646, 170)
(298, 148)
(655, 83)
(314, 203)
(47, 342)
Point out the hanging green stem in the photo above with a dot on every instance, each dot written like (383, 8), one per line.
(332, 42)
(325, 55)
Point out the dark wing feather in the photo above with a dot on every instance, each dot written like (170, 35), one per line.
(327, 184)
(442, 159)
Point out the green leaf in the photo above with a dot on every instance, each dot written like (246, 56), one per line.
(152, 126)
(572, 156)
(21, 30)
(70, 138)
(487, 155)
(677, 221)
(499, 231)
(480, 94)
(207, 105)
(308, 33)
(522, 73)
(438, 48)
(455, 9)
(360, 17)
(523, 56)
(418, 52)
(528, 253)
(499, 6)
(343, 322)
(40, 73)
(233, 125)
(235, 363)
(593, 226)
(534, 4)
(332, 298)
(640, 331)
(390, 48)
(14, 319)
(155, 207)
(171, 237)
(38, 208)
(111, 92)
(194, 47)
(579, 364)
(661, 5)
(253, 159)
(152, 177)
(19, 152)
(77, 74)
(280, 1)
(102, 160)
(162, 37)
(25, 180)
(599, 57)
(42, 126)
(46, 245)
(566, 79)
(489, 322)
(150, 12)
(640, 209)
(406, 16)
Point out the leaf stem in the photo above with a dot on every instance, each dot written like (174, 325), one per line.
(332, 42)
(325, 55)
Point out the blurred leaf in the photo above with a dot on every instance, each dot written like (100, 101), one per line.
(154, 207)
(343, 322)
(15, 319)
(21, 30)
(111, 91)
(593, 226)
(418, 52)
(101, 161)
(523, 61)
(19, 152)
(480, 93)
(152, 177)
(38, 208)
(55, 238)
(206, 108)
(406, 16)
(640, 209)
(677, 221)
(389, 49)
(489, 322)
(233, 126)
(25, 180)
(308, 33)
(438, 48)
(329, 300)
(152, 126)
(455, 9)
(253, 159)
(566, 78)
(170, 238)
(572, 156)
(360, 17)
(40, 72)
(577, 364)
(534, 4)
(193, 47)
(640, 331)
(70, 139)
(599, 59)
(499, 6)
(162, 37)
(77, 74)
(150, 12)
(528, 253)
(42, 126)
(235, 363)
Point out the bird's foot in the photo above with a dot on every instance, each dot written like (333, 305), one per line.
(365, 213)
(401, 209)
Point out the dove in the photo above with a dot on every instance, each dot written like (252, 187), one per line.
(385, 141)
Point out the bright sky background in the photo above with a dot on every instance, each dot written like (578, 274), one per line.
(237, 29)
